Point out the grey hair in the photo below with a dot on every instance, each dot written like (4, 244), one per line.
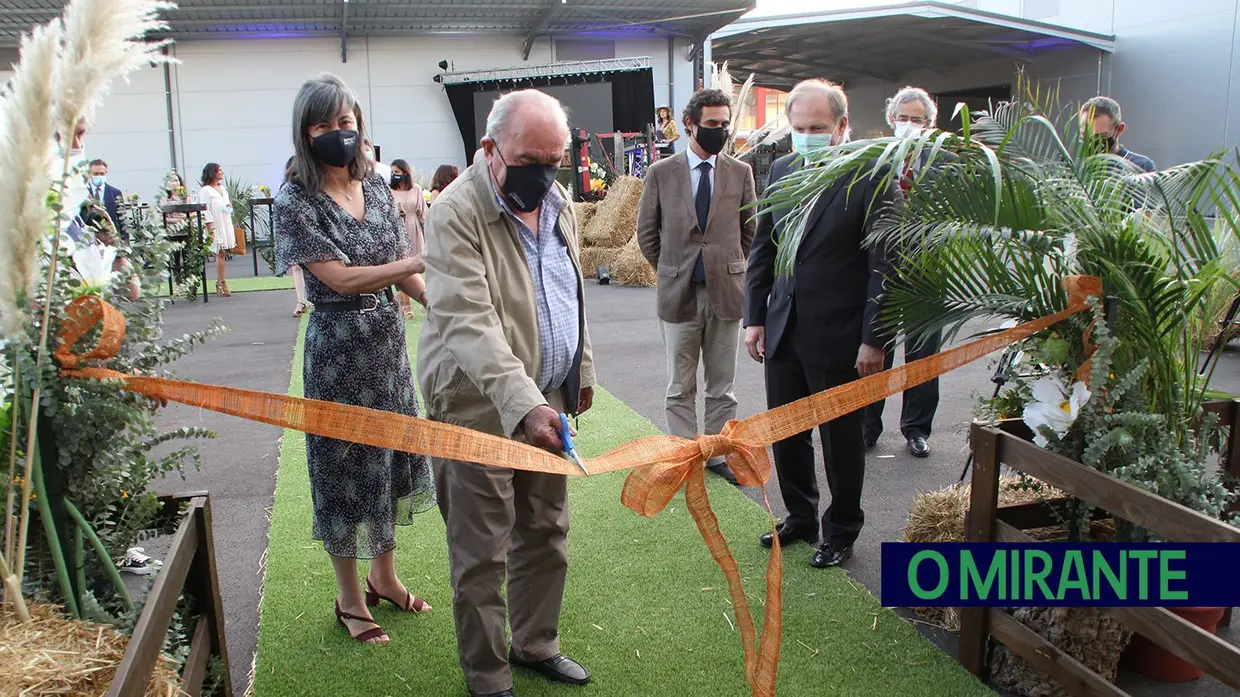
(834, 93)
(1103, 106)
(911, 94)
(321, 99)
(499, 120)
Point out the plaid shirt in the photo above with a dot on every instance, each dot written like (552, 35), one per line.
(555, 280)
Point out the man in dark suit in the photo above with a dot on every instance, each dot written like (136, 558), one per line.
(694, 230)
(107, 195)
(908, 112)
(816, 329)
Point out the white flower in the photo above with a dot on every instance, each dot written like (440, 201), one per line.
(1053, 407)
(93, 264)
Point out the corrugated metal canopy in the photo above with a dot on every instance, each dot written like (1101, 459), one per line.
(197, 19)
(885, 42)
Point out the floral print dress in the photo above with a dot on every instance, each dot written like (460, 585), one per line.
(359, 493)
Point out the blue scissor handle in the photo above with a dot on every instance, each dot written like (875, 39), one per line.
(565, 434)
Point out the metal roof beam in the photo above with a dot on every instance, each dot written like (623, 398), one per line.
(540, 23)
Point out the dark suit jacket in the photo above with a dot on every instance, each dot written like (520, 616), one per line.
(830, 303)
(667, 231)
(111, 199)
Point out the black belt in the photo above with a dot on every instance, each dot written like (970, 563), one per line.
(364, 303)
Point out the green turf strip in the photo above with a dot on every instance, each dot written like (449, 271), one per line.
(242, 284)
(647, 609)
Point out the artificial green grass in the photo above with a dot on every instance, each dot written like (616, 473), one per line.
(647, 609)
(243, 284)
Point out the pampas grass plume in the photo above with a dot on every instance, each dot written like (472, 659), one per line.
(103, 41)
(27, 126)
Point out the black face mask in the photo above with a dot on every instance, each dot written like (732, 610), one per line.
(711, 139)
(335, 148)
(1104, 144)
(397, 180)
(527, 185)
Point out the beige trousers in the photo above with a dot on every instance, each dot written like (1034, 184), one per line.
(713, 342)
(501, 524)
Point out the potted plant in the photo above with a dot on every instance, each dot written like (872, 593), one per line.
(239, 194)
(996, 216)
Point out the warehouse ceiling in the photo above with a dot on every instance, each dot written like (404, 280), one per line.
(532, 19)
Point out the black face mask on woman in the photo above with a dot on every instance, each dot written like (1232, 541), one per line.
(397, 180)
(335, 148)
(527, 185)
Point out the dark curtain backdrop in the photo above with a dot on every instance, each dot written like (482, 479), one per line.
(632, 99)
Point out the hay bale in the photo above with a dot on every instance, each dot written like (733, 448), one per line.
(594, 257)
(615, 218)
(631, 268)
(585, 211)
(53, 654)
(1087, 634)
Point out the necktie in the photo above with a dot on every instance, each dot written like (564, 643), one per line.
(701, 202)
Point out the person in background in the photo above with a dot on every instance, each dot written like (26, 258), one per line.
(1101, 119)
(109, 196)
(909, 112)
(384, 172)
(411, 202)
(700, 263)
(505, 351)
(444, 175)
(299, 279)
(666, 132)
(219, 221)
(337, 218)
(174, 193)
(817, 329)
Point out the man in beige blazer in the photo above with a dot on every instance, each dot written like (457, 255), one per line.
(693, 231)
(505, 350)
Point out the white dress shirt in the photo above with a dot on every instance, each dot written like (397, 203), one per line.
(695, 174)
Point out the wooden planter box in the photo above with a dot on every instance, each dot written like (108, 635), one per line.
(987, 522)
(189, 568)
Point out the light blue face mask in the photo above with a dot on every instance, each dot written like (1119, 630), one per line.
(98, 181)
(806, 142)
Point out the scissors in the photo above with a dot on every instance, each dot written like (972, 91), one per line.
(566, 437)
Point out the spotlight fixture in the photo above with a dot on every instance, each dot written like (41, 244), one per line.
(443, 65)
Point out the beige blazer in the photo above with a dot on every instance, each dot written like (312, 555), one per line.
(478, 354)
(667, 230)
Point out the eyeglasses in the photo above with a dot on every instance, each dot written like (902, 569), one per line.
(915, 120)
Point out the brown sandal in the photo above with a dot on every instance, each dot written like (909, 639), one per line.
(366, 636)
(221, 289)
(412, 602)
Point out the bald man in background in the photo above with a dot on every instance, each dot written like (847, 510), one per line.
(504, 350)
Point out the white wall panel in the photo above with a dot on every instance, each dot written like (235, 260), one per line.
(130, 132)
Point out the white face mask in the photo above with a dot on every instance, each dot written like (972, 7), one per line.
(806, 142)
(906, 129)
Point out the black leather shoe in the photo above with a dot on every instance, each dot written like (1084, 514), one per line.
(559, 668)
(918, 446)
(871, 439)
(789, 535)
(724, 471)
(829, 555)
(505, 693)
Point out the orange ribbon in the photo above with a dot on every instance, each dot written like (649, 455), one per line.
(662, 465)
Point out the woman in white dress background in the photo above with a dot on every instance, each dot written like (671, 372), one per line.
(219, 221)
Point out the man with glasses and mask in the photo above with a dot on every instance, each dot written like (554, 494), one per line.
(816, 329)
(694, 229)
(910, 112)
(504, 350)
(1102, 120)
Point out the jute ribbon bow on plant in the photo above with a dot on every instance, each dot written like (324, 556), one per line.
(662, 465)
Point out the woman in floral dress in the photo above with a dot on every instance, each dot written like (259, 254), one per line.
(336, 219)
